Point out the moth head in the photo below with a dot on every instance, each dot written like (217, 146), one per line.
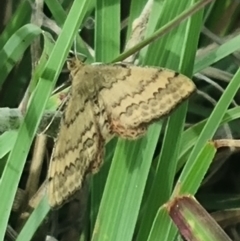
(74, 64)
(75, 60)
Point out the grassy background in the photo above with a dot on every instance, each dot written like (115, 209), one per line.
(138, 176)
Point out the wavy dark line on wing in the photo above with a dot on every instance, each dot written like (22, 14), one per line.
(72, 148)
(152, 80)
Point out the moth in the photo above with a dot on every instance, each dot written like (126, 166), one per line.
(107, 100)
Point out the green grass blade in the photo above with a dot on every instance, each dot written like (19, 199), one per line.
(7, 140)
(217, 54)
(60, 16)
(27, 130)
(124, 188)
(180, 59)
(191, 179)
(107, 21)
(34, 221)
(191, 135)
(202, 163)
(20, 18)
(160, 223)
(13, 50)
(211, 126)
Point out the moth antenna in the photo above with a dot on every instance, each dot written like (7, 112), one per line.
(75, 52)
(54, 116)
(75, 46)
(62, 87)
(77, 57)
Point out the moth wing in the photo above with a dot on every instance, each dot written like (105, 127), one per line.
(76, 149)
(136, 96)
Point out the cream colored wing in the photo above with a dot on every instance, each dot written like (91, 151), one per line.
(84, 129)
(136, 96)
(78, 147)
(107, 100)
